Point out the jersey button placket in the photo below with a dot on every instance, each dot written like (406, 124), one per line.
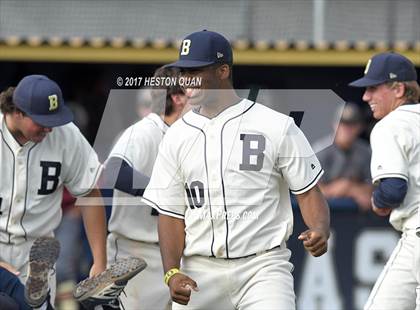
(21, 175)
(213, 156)
(213, 162)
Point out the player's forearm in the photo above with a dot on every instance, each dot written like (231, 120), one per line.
(328, 189)
(314, 209)
(358, 188)
(171, 240)
(94, 220)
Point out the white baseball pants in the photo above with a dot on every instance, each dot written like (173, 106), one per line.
(398, 286)
(147, 290)
(258, 282)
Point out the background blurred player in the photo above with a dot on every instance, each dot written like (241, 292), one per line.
(133, 227)
(392, 93)
(346, 162)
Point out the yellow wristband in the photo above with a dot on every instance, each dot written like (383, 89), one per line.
(169, 274)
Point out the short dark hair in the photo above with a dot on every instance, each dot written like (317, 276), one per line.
(173, 89)
(230, 71)
(219, 64)
(7, 106)
(214, 66)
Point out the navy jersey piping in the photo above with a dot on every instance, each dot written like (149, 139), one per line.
(197, 111)
(93, 185)
(121, 157)
(26, 191)
(167, 211)
(310, 183)
(221, 175)
(207, 176)
(381, 176)
(116, 249)
(13, 185)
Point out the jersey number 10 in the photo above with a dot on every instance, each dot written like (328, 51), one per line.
(195, 194)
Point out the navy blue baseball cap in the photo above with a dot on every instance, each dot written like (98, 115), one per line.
(386, 67)
(42, 100)
(203, 48)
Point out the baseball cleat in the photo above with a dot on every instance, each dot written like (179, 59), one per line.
(106, 287)
(42, 257)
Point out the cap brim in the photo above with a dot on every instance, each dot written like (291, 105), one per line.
(183, 63)
(62, 117)
(365, 82)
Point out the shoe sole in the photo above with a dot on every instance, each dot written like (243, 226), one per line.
(119, 273)
(42, 257)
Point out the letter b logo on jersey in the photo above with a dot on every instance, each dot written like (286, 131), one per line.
(53, 102)
(50, 173)
(185, 47)
(252, 152)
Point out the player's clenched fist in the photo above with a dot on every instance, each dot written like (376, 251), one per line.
(315, 241)
(180, 287)
(380, 211)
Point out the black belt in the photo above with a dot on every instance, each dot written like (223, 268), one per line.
(252, 255)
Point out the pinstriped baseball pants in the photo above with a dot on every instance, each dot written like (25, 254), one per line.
(398, 286)
(146, 291)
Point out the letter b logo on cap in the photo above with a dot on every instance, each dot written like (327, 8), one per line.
(185, 48)
(53, 102)
(367, 66)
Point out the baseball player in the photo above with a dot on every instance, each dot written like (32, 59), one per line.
(40, 152)
(392, 93)
(221, 184)
(133, 228)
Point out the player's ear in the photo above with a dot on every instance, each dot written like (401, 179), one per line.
(224, 71)
(399, 90)
(177, 101)
(18, 114)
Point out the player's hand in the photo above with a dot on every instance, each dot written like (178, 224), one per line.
(380, 211)
(9, 268)
(180, 287)
(337, 188)
(96, 269)
(315, 241)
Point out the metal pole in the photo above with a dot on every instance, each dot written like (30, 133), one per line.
(391, 22)
(319, 20)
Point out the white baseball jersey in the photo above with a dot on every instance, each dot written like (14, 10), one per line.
(138, 146)
(395, 142)
(229, 177)
(418, 223)
(32, 179)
